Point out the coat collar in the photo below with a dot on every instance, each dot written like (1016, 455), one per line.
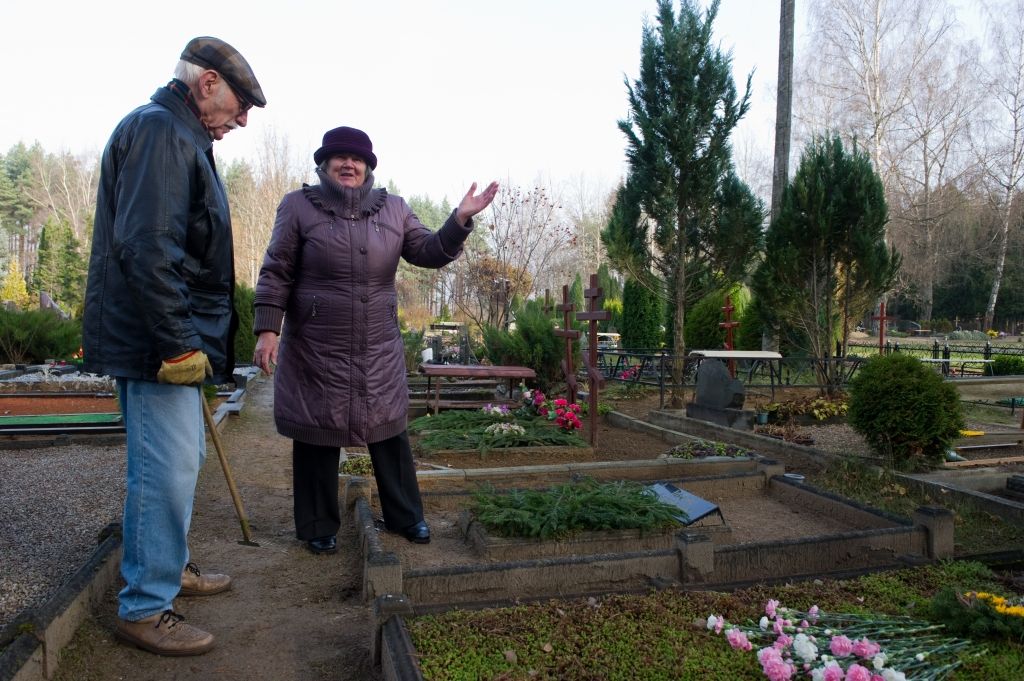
(177, 106)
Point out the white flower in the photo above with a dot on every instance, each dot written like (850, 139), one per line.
(804, 648)
(893, 675)
(828, 632)
(712, 619)
(763, 623)
(878, 661)
(920, 657)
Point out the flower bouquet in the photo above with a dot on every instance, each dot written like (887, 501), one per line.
(844, 647)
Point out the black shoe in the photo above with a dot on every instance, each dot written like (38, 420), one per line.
(323, 545)
(418, 533)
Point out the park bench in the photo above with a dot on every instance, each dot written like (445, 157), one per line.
(437, 373)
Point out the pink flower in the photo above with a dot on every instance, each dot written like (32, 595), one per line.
(866, 648)
(840, 646)
(738, 640)
(770, 606)
(778, 670)
(764, 655)
(782, 642)
(560, 402)
(813, 613)
(543, 411)
(857, 673)
(719, 623)
(833, 672)
(804, 625)
(778, 625)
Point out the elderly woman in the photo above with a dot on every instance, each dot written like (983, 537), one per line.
(329, 275)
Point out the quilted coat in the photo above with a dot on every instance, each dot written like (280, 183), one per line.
(329, 272)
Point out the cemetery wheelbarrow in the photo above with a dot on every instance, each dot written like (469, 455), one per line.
(243, 519)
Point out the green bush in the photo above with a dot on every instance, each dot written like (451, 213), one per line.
(642, 315)
(412, 341)
(531, 344)
(245, 341)
(37, 335)
(1007, 365)
(702, 331)
(968, 336)
(750, 330)
(905, 411)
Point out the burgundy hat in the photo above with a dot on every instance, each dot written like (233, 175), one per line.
(346, 140)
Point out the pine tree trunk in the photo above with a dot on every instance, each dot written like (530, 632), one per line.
(783, 104)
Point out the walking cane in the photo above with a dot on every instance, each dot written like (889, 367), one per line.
(235, 498)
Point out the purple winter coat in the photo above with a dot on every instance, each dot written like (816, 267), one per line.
(329, 273)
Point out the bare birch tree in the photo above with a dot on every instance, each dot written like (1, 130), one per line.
(1005, 66)
(933, 143)
(254, 191)
(868, 54)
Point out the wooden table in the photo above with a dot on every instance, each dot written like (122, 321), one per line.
(442, 371)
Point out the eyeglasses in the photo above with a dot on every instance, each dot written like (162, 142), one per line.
(243, 103)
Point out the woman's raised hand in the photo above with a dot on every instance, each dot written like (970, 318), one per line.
(472, 204)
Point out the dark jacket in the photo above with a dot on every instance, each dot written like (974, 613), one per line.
(340, 378)
(161, 273)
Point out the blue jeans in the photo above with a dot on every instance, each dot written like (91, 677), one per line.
(166, 448)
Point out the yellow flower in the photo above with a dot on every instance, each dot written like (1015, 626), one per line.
(971, 433)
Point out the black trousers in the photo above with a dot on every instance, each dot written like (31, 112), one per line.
(315, 486)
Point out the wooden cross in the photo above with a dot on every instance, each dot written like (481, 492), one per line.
(549, 305)
(592, 316)
(882, 319)
(569, 334)
(729, 325)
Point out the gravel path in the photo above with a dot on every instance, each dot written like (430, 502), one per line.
(53, 503)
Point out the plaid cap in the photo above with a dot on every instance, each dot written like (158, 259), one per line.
(214, 53)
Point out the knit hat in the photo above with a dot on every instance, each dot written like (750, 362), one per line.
(214, 53)
(346, 140)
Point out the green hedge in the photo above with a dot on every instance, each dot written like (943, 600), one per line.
(245, 341)
(1007, 365)
(36, 335)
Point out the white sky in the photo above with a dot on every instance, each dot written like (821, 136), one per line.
(449, 91)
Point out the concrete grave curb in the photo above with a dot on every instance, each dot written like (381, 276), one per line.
(38, 635)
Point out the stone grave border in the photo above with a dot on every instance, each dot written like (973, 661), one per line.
(31, 643)
(928, 536)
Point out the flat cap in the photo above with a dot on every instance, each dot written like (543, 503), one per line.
(214, 53)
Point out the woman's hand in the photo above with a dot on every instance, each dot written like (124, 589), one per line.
(265, 355)
(471, 205)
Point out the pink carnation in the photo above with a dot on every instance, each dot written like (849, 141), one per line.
(770, 606)
(813, 613)
(865, 648)
(778, 625)
(738, 640)
(560, 402)
(782, 642)
(840, 646)
(833, 672)
(857, 673)
(778, 670)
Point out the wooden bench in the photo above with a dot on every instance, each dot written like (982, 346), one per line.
(470, 371)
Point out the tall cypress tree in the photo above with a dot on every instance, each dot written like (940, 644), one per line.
(641, 317)
(683, 108)
(826, 261)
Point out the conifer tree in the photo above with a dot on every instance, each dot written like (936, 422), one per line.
(826, 261)
(683, 108)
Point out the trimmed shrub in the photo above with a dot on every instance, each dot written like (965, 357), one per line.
(642, 315)
(1007, 365)
(532, 344)
(37, 335)
(412, 342)
(702, 320)
(905, 411)
(245, 341)
(968, 336)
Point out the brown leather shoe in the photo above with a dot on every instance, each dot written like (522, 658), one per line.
(195, 583)
(165, 634)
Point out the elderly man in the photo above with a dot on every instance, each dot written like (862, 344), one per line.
(159, 317)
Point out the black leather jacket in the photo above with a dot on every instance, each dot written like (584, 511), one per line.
(161, 273)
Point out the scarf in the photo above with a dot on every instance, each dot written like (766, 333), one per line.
(346, 202)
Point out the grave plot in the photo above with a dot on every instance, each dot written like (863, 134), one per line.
(770, 528)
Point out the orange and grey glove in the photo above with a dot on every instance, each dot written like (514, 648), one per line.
(187, 369)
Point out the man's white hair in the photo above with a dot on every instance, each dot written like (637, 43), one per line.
(188, 73)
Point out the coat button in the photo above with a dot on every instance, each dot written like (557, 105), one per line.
(364, 298)
(362, 249)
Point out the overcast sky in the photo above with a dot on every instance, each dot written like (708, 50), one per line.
(449, 91)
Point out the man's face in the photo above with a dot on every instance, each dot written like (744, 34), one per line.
(348, 170)
(223, 111)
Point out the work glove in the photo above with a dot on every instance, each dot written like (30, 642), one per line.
(187, 369)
